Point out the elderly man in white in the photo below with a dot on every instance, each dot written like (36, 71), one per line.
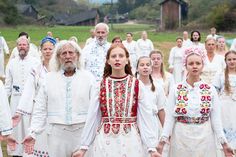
(17, 72)
(94, 54)
(145, 45)
(3, 48)
(63, 100)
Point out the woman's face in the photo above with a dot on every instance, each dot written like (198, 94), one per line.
(194, 65)
(231, 61)
(47, 50)
(179, 42)
(221, 43)
(117, 59)
(144, 66)
(156, 60)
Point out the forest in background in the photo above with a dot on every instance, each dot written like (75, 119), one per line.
(201, 13)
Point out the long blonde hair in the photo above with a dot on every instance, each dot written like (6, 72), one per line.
(227, 83)
(162, 64)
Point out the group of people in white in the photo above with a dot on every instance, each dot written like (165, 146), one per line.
(116, 99)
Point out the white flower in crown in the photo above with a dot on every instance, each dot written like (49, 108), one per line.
(194, 50)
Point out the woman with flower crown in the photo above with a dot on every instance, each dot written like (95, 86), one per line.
(193, 114)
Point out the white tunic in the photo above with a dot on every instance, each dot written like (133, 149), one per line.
(144, 47)
(94, 58)
(198, 45)
(228, 107)
(119, 138)
(176, 62)
(17, 72)
(210, 69)
(187, 43)
(158, 100)
(167, 83)
(187, 137)
(233, 45)
(133, 52)
(3, 48)
(5, 113)
(62, 100)
(26, 105)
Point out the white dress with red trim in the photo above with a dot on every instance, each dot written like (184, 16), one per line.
(193, 120)
(121, 121)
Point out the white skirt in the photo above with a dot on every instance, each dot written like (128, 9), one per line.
(193, 140)
(228, 109)
(118, 145)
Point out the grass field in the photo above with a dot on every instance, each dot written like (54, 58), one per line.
(162, 40)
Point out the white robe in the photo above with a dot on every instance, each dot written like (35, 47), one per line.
(144, 47)
(211, 68)
(3, 48)
(176, 62)
(94, 58)
(133, 53)
(63, 102)
(26, 105)
(5, 115)
(17, 72)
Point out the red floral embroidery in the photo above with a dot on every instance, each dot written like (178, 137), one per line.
(119, 98)
(181, 99)
(205, 100)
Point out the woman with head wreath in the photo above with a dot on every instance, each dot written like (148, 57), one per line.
(193, 114)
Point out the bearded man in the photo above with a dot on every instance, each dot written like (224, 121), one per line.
(17, 72)
(62, 101)
(94, 54)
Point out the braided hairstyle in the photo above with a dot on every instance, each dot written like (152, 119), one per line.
(153, 88)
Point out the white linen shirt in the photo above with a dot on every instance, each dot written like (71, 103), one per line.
(94, 58)
(5, 113)
(17, 72)
(144, 47)
(194, 98)
(210, 69)
(62, 100)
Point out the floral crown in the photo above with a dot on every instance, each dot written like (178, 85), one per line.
(194, 50)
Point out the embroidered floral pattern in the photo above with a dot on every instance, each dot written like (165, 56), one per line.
(116, 106)
(182, 99)
(205, 100)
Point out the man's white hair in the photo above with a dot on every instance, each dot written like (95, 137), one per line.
(102, 25)
(55, 64)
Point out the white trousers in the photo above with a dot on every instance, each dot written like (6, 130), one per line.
(64, 139)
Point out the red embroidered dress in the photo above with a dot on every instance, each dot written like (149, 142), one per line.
(118, 104)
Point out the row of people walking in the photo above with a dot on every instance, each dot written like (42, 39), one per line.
(122, 115)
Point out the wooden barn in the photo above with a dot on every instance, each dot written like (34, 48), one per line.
(172, 13)
(27, 10)
(86, 18)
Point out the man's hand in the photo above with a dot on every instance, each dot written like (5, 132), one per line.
(28, 143)
(11, 143)
(79, 153)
